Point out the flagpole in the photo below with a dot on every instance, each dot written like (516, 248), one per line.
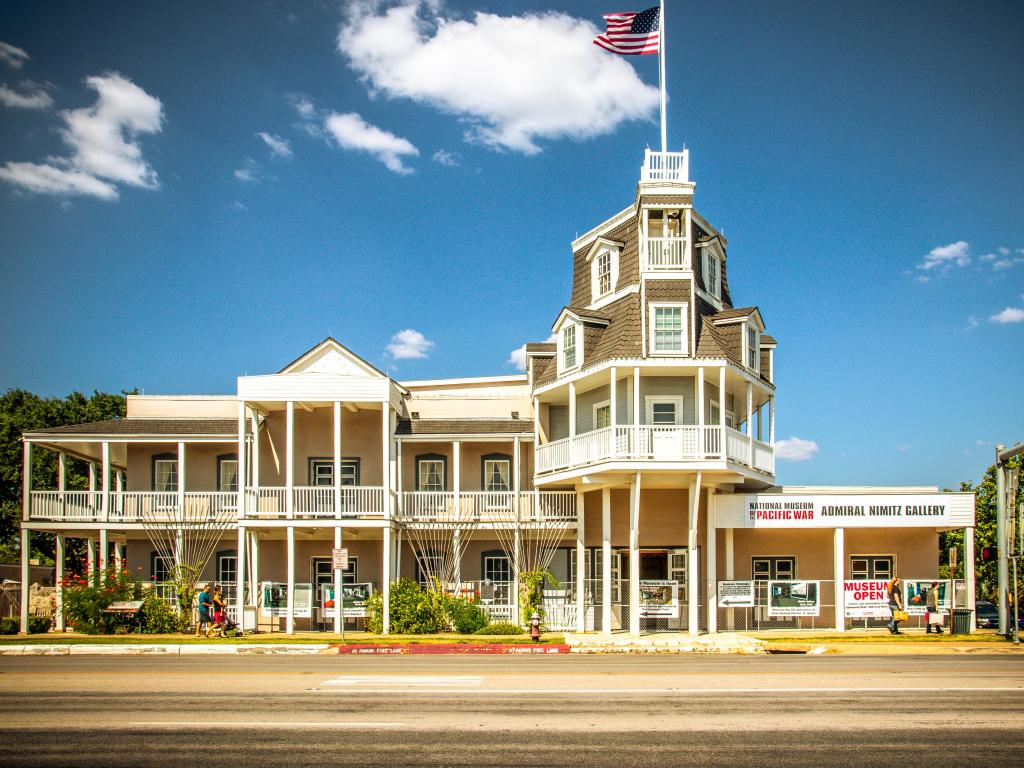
(661, 73)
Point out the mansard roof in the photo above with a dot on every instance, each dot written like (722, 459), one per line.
(463, 426)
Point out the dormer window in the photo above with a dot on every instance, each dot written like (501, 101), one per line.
(753, 349)
(712, 273)
(604, 268)
(604, 273)
(569, 347)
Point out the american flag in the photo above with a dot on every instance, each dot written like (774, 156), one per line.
(631, 34)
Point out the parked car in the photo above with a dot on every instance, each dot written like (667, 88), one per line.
(988, 616)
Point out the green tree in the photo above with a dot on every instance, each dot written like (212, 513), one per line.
(22, 411)
(986, 573)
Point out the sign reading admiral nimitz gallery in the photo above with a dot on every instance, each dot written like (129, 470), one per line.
(925, 510)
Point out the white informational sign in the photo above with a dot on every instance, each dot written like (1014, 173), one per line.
(793, 598)
(735, 594)
(659, 599)
(915, 595)
(339, 556)
(275, 599)
(924, 510)
(866, 599)
(355, 597)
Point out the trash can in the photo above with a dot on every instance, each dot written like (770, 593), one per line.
(961, 621)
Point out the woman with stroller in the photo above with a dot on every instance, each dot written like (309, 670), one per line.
(220, 613)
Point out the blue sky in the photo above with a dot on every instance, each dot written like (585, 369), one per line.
(189, 193)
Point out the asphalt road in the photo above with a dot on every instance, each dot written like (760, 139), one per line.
(498, 711)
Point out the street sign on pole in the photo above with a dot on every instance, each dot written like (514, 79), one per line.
(340, 558)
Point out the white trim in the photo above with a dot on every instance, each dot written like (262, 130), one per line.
(600, 248)
(684, 318)
(577, 327)
(611, 298)
(520, 378)
(650, 401)
(708, 227)
(595, 407)
(614, 221)
(660, 362)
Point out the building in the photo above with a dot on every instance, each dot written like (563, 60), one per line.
(634, 460)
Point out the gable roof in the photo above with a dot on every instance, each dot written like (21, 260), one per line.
(322, 352)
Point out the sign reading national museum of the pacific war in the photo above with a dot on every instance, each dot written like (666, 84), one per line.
(931, 510)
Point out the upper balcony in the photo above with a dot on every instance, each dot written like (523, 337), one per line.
(656, 444)
(671, 167)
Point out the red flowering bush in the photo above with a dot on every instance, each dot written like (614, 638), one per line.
(87, 596)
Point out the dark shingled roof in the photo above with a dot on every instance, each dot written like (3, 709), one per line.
(589, 314)
(728, 314)
(133, 427)
(766, 339)
(463, 426)
(543, 347)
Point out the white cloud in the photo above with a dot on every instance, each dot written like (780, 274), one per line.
(408, 345)
(971, 323)
(1009, 315)
(795, 449)
(279, 146)
(511, 79)
(103, 141)
(446, 158)
(35, 98)
(988, 257)
(303, 105)
(902, 447)
(946, 256)
(1004, 250)
(248, 172)
(517, 357)
(352, 132)
(12, 56)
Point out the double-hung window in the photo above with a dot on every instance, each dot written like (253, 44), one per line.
(712, 274)
(430, 473)
(669, 329)
(604, 273)
(165, 473)
(603, 415)
(321, 472)
(753, 349)
(569, 347)
(227, 473)
(497, 471)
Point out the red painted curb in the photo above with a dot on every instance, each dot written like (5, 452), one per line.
(456, 648)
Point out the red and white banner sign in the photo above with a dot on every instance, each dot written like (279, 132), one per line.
(866, 599)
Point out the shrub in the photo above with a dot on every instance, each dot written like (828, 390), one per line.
(464, 616)
(37, 625)
(414, 611)
(87, 597)
(159, 617)
(9, 626)
(501, 628)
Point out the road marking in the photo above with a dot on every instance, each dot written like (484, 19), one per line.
(250, 724)
(444, 681)
(685, 691)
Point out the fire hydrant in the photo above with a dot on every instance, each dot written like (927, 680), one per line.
(535, 627)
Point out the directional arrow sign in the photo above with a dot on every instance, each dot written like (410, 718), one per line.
(735, 594)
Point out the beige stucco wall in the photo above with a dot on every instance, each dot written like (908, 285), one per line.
(182, 406)
(200, 464)
(470, 462)
(471, 400)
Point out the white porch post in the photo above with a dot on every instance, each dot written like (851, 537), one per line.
(62, 477)
(703, 441)
(92, 477)
(26, 577)
(750, 424)
(636, 399)
(572, 411)
(457, 488)
(711, 560)
(634, 555)
(90, 556)
(254, 568)
(105, 482)
(968, 558)
(182, 476)
(240, 511)
(387, 579)
(290, 615)
(240, 577)
(289, 467)
(723, 443)
(730, 573)
(517, 459)
(613, 400)
(693, 560)
(386, 430)
(839, 577)
(581, 555)
(606, 560)
(58, 577)
(255, 464)
(339, 602)
(771, 421)
(118, 555)
(26, 481)
(104, 554)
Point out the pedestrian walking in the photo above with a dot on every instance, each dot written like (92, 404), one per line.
(932, 613)
(220, 613)
(895, 593)
(204, 603)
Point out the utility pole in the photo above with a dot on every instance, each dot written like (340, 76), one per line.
(1003, 455)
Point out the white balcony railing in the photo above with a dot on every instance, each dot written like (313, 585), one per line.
(666, 166)
(314, 501)
(666, 253)
(654, 443)
(487, 506)
(162, 506)
(68, 506)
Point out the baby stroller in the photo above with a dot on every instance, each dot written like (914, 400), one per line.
(232, 625)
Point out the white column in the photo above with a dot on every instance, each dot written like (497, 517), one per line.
(968, 558)
(240, 575)
(711, 560)
(241, 475)
(693, 559)
(104, 554)
(636, 398)
(839, 577)
(339, 602)
(572, 409)
(385, 457)
(581, 555)
(750, 424)
(606, 560)
(90, 556)
(613, 406)
(730, 573)
(105, 482)
(723, 441)
(457, 475)
(62, 476)
(254, 567)
(771, 421)
(182, 478)
(290, 616)
(118, 555)
(517, 559)
(289, 466)
(255, 475)
(634, 555)
(92, 477)
(26, 480)
(58, 576)
(517, 458)
(26, 577)
(386, 570)
(703, 440)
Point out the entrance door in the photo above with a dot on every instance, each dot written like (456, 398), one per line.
(322, 575)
